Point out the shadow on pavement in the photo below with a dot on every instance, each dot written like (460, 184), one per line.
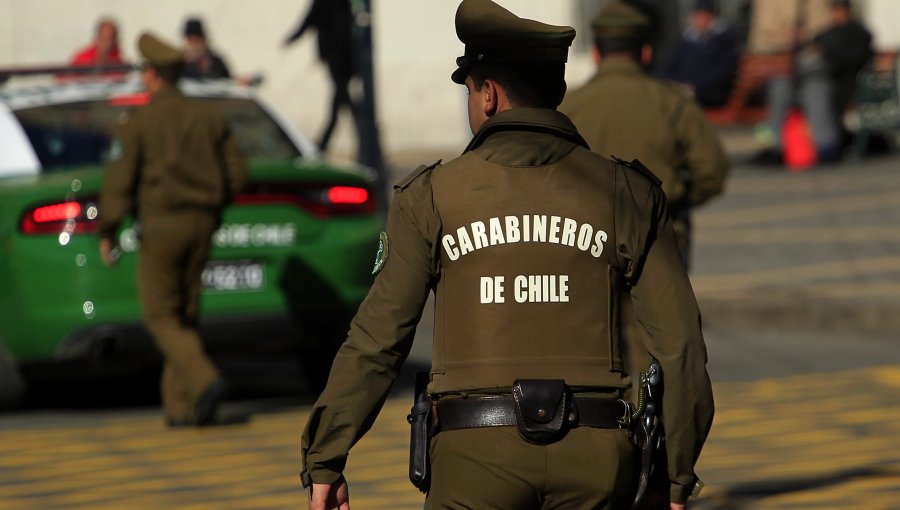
(259, 385)
(748, 495)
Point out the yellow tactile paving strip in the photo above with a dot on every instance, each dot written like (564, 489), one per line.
(824, 441)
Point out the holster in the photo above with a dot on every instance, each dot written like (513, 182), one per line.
(420, 420)
(541, 409)
(649, 431)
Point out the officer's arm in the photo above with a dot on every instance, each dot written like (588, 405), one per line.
(665, 306)
(234, 161)
(120, 180)
(379, 341)
(704, 156)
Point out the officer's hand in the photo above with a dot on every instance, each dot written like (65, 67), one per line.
(327, 496)
(676, 506)
(106, 252)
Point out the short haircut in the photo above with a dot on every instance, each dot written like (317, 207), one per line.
(631, 46)
(527, 84)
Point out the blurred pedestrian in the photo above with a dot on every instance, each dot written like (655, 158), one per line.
(706, 58)
(846, 46)
(821, 85)
(101, 53)
(333, 22)
(104, 49)
(175, 164)
(524, 239)
(623, 111)
(201, 62)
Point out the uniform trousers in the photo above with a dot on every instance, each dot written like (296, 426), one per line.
(494, 468)
(174, 249)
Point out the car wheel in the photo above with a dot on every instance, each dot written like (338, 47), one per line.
(12, 386)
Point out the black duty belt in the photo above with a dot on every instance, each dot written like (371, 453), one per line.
(499, 411)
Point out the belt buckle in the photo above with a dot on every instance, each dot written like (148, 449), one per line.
(626, 419)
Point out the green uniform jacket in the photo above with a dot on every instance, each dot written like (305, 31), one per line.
(173, 154)
(622, 111)
(529, 203)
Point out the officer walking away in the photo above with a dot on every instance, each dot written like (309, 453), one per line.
(624, 111)
(175, 162)
(523, 238)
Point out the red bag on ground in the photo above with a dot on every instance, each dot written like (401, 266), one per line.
(797, 142)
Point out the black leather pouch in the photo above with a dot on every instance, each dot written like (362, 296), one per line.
(541, 407)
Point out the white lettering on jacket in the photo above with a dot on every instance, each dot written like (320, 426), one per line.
(528, 228)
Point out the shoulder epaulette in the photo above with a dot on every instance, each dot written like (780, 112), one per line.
(415, 175)
(635, 164)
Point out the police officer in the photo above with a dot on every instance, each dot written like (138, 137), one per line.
(528, 241)
(175, 163)
(626, 112)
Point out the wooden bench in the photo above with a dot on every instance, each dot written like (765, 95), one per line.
(746, 104)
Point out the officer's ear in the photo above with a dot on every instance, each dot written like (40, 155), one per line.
(490, 94)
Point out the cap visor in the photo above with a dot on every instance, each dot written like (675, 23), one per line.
(459, 76)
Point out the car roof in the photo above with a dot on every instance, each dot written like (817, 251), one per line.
(36, 91)
(45, 93)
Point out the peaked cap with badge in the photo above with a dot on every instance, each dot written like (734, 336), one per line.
(492, 34)
(158, 53)
(619, 19)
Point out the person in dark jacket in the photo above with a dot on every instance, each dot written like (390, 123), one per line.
(846, 46)
(333, 22)
(706, 58)
(200, 60)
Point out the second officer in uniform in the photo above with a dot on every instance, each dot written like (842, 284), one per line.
(528, 241)
(624, 111)
(175, 164)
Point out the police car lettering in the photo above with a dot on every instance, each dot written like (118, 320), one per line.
(528, 228)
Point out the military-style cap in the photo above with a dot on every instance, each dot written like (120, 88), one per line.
(619, 19)
(492, 34)
(158, 53)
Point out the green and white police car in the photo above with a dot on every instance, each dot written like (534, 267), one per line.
(290, 264)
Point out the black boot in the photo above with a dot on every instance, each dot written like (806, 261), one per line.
(208, 403)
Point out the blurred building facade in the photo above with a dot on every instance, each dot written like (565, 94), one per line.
(418, 108)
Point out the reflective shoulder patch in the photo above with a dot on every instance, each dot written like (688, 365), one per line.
(383, 251)
(635, 164)
(415, 174)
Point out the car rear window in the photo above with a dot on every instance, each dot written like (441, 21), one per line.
(78, 134)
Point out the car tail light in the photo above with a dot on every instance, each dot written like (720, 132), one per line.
(138, 99)
(55, 218)
(320, 200)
